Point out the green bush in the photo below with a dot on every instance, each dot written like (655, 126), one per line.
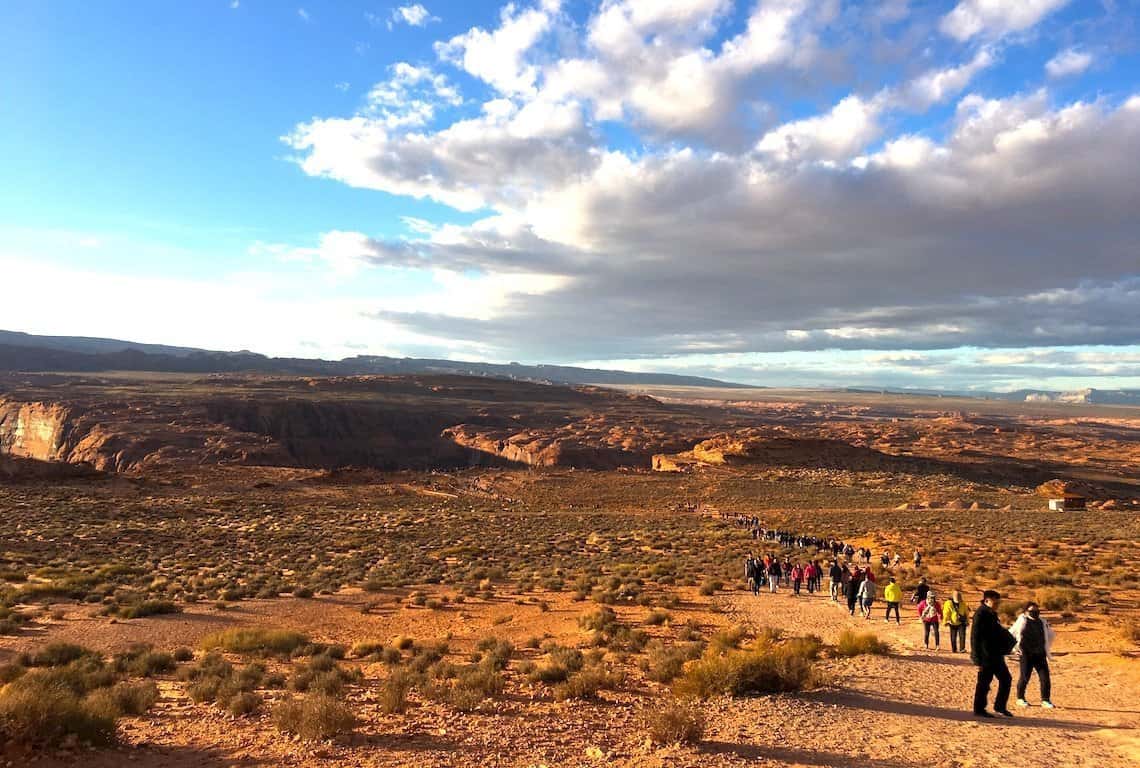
(255, 640)
(852, 643)
(314, 718)
(675, 723)
(40, 711)
(763, 668)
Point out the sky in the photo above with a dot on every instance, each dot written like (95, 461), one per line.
(923, 194)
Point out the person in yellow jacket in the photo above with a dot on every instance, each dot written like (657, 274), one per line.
(956, 615)
(892, 593)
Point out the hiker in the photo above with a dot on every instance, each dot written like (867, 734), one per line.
(917, 559)
(811, 571)
(867, 594)
(853, 587)
(892, 593)
(931, 614)
(1034, 640)
(896, 560)
(786, 567)
(920, 591)
(797, 578)
(990, 643)
(885, 560)
(774, 576)
(955, 615)
(753, 574)
(835, 574)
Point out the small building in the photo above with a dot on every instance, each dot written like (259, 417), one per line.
(1067, 503)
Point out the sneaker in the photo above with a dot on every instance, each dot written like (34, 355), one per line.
(1022, 703)
(1005, 712)
(1047, 705)
(984, 714)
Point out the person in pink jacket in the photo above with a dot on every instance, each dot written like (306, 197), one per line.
(797, 577)
(930, 611)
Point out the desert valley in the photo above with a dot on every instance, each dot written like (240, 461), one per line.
(444, 570)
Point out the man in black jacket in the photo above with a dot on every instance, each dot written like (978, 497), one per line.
(990, 643)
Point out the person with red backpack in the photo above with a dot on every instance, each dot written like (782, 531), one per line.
(930, 611)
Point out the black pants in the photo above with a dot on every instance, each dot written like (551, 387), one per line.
(893, 607)
(958, 638)
(927, 628)
(986, 674)
(796, 584)
(1031, 662)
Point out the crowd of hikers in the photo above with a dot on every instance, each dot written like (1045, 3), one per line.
(853, 584)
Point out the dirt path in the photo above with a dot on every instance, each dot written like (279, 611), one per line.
(913, 708)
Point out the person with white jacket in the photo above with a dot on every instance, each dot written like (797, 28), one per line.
(1034, 641)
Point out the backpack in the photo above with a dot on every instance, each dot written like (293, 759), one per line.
(955, 617)
(930, 611)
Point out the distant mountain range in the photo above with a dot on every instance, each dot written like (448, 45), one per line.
(1074, 397)
(78, 354)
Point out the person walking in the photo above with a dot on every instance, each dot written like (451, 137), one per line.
(917, 559)
(892, 593)
(835, 574)
(774, 576)
(931, 614)
(797, 578)
(867, 595)
(1034, 641)
(990, 643)
(853, 587)
(955, 615)
(920, 591)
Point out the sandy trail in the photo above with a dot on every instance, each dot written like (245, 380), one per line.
(913, 708)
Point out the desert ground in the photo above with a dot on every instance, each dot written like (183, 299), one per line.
(420, 571)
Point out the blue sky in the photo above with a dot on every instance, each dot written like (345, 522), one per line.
(779, 191)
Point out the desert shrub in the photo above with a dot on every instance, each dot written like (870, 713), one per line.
(763, 668)
(303, 592)
(675, 723)
(657, 617)
(709, 587)
(141, 661)
(1058, 598)
(852, 643)
(243, 703)
(600, 620)
(9, 672)
(495, 652)
(255, 640)
(183, 654)
(729, 639)
(126, 698)
(368, 649)
(60, 654)
(37, 710)
(146, 608)
(313, 718)
(586, 684)
(394, 692)
(664, 663)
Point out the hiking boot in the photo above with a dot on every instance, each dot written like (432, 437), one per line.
(1047, 705)
(984, 714)
(1005, 712)
(1022, 703)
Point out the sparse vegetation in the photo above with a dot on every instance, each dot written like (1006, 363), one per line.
(675, 723)
(313, 718)
(852, 643)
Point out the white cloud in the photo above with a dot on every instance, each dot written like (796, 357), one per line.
(415, 15)
(234, 4)
(836, 136)
(936, 86)
(995, 18)
(497, 57)
(1068, 62)
(303, 14)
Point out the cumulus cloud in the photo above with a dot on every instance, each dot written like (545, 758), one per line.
(414, 15)
(723, 227)
(994, 18)
(1068, 62)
